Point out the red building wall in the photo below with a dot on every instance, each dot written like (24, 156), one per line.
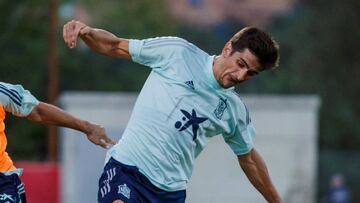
(42, 181)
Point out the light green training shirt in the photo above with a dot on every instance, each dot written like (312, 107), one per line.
(179, 108)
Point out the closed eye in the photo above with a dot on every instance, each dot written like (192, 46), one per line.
(252, 73)
(241, 64)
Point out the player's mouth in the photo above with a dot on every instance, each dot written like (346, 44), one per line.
(232, 79)
(229, 80)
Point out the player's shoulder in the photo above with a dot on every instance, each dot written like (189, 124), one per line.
(232, 95)
(165, 40)
(5, 87)
(11, 93)
(3, 84)
(238, 106)
(176, 43)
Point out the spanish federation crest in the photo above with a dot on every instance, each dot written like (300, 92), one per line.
(124, 190)
(219, 111)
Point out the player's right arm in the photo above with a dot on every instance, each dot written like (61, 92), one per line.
(49, 114)
(98, 40)
(20, 102)
(255, 169)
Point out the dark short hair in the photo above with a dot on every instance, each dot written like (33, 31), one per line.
(260, 44)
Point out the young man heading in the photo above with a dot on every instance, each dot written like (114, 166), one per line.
(187, 99)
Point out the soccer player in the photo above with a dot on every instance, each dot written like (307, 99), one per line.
(187, 99)
(16, 100)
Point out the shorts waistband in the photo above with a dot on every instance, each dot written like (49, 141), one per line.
(18, 171)
(135, 173)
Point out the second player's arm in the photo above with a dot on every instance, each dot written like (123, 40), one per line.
(255, 169)
(51, 115)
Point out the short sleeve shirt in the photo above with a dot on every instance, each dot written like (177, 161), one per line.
(179, 108)
(16, 100)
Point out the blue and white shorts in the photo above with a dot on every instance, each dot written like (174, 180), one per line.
(126, 183)
(11, 188)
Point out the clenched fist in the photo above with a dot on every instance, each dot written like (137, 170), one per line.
(72, 30)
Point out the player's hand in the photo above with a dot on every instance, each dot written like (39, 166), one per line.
(97, 135)
(72, 30)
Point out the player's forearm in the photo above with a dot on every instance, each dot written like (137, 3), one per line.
(49, 114)
(256, 171)
(258, 179)
(105, 42)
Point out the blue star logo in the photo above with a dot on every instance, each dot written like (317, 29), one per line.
(192, 120)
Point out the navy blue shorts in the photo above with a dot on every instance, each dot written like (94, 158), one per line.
(126, 183)
(11, 189)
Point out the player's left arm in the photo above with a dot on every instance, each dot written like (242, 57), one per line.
(255, 169)
(51, 115)
(99, 40)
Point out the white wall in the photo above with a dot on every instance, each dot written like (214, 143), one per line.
(286, 138)
(81, 161)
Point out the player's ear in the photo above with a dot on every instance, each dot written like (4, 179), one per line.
(227, 50)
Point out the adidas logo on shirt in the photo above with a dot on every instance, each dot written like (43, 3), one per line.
(190, 83)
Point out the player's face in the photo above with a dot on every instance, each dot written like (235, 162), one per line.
(237, 67)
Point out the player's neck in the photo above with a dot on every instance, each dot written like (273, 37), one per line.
(217, 67)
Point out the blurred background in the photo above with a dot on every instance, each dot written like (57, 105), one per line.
(319, 55)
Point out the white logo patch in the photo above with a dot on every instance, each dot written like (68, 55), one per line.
(124, 190)
(5, 196)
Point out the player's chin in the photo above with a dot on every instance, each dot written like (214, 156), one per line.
(227, 84)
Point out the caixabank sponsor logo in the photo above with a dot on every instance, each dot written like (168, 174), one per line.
(190, 119)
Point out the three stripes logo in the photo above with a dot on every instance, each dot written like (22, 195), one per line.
(11, 93)
(11, 198)
(190, 84)
(106, 188)
(21, 189)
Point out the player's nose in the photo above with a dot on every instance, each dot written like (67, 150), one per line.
(241, 75)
